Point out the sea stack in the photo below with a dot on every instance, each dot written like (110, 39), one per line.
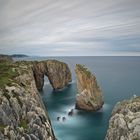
(89, 96)
(124, 123)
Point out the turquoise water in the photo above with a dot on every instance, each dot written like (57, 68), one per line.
(118, 77)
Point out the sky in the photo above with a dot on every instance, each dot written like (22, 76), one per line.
(70, 27)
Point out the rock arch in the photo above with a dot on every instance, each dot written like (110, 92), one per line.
(57, 72)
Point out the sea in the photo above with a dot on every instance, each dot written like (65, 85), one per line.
(118, 78)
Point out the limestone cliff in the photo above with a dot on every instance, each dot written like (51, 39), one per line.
(89, 96)
(57, 72)
(125, 121)
(22, 114)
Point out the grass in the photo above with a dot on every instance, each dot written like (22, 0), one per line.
(7, 73)
(23, 123)
(2, 126)
(84, 69)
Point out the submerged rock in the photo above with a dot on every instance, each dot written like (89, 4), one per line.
(124, 123)
(63, 119)
(70, 113)
(57, 72)
(58, 118)
(89, 96)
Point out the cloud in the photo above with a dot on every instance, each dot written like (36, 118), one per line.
(64, 27)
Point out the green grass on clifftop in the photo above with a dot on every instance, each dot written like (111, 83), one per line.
(7, 73)
(84, 69)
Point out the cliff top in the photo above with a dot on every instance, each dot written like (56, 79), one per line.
(83, 69)
(7, 72)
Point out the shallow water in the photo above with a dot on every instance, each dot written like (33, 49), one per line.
(118, 77)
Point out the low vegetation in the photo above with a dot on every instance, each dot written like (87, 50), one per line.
(84, 69)
(7, 73)
(23, 123)
(2, 126)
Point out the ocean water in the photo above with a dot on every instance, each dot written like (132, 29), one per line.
(119, 79)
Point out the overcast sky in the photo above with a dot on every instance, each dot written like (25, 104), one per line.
(70, 27)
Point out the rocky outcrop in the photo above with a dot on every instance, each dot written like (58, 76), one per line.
(22, 114)
(125, 121)
(39, 72)
(89, 96)
(57, 72)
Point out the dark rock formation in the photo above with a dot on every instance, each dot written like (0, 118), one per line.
(125, 121)
(18, 55)
(58, 118)
(63, 119)
(89, 95)
(39, 71)
(70, 113)
(57, 72)
(22, 114)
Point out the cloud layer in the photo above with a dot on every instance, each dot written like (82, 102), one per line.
(70, 27)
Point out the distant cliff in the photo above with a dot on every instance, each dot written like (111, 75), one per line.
(125, 121)
(5, 58)
(18, 55)
(89, 96)
(57, 72)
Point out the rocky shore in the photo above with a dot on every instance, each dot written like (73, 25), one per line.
(125, 121)
(89, 96)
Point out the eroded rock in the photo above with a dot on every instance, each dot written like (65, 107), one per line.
(22, 114)
(89, 96)
(57, 72)
(125, 121)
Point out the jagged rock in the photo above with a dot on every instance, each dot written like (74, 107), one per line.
(23, 138)
(57, 72)
(22, 114)
(124, 123)
(89, 95)
(12, 135)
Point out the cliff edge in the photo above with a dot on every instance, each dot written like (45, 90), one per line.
(89, 96)
(125, 121)
(22, 114)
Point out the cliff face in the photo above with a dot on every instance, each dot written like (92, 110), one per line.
(57, 72)
(22, 114)
(89, 95)
(39, 71)
(125, 121)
